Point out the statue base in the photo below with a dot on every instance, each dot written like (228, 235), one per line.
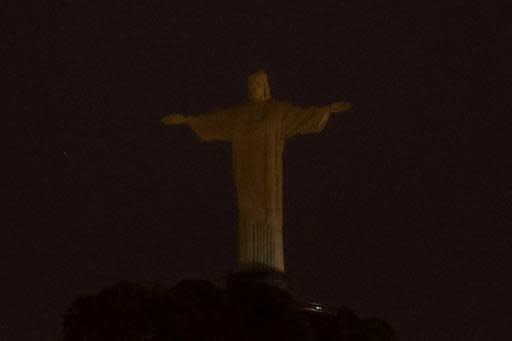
(258, 277)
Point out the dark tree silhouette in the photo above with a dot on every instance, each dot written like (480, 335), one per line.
(198, 310)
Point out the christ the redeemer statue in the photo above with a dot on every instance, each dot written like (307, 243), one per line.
(257, 130)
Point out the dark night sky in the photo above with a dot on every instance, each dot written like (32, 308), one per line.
(396, 210)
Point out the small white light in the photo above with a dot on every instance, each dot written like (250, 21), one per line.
(318, 308)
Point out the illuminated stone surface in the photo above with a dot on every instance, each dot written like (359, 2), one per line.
(257, 131)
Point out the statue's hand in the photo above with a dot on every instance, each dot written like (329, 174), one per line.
(339, 106)
(174, 119)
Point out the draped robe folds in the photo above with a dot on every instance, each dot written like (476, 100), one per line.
(257, 131)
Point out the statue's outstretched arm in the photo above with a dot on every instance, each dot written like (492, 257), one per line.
(308, 120)
(339, 107)
(173, 119)
(216, 125)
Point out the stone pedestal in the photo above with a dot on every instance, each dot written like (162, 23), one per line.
(267, 277)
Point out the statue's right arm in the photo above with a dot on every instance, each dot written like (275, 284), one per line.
(214, 125)
(217, 125)
(174, 119)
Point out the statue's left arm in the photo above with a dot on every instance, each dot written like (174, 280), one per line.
(308, 120)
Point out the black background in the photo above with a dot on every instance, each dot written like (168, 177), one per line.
(396, 210)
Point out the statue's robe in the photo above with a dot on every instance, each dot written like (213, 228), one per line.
(257, 131)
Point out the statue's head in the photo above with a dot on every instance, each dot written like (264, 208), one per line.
(259, 90)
